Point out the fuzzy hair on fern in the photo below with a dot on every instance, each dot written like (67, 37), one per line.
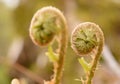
(49, 24)
(87, 39)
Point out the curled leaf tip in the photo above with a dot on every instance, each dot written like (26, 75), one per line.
(45, 24)
(84, 38)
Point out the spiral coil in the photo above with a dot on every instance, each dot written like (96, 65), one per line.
(46, 23)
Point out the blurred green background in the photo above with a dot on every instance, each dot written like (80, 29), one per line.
(20, 58)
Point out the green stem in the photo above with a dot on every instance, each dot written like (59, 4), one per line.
(95, 62)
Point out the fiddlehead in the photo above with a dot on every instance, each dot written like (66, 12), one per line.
(47, 24)
(87, 39)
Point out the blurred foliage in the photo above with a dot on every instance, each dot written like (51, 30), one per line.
(4, 74)
(6, 29)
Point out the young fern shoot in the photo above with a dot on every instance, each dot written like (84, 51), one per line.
(47, 24)
(87, 40)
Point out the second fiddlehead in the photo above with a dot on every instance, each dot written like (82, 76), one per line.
(87, 39)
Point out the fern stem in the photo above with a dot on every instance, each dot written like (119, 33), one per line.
(94, 64)
(62, 50)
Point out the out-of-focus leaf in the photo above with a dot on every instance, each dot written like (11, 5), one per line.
(86, 66)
